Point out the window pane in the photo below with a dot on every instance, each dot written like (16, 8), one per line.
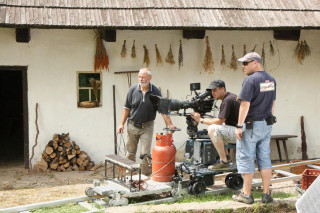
(85, 77)
(83, 95)
(93, 98)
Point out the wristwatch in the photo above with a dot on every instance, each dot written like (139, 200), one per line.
(239, 127)
(201, 120)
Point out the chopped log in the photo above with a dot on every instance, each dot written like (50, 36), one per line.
(63, 141)
(82, 168)
(56, 159)
(73, 152)
(83, 155)
(53, 155)
(75, 167)
(76, 147)
(73, 161)
(62, 168)
(90, 166)
(49, 150)
(71, 156)
(55, 145)
(55, 137)
(54, 165)
(43, 165)
(78, 152)
(79, 161)
(96, 166)
(66, 165)
(67, 144)
(73, 143)
(85, 162)
(60, 148)
(64, 152)
(50, 143)
(69, 169)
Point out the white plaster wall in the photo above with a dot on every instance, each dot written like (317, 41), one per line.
(54, 56)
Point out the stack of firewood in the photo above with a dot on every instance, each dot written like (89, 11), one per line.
(62, 155)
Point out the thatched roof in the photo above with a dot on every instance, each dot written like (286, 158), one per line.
(161, 14)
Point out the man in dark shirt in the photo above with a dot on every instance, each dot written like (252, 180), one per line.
(141, 113)
(221, 134)
(254, 127)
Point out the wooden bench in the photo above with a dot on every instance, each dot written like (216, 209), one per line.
(284, 139)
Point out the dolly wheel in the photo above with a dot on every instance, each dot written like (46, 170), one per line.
(234, 181)
(89, 192)
(198, 188)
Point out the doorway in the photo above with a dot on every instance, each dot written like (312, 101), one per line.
(14, 129)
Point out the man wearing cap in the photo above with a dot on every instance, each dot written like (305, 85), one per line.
(221, 134)
(140, 113)
(254, 127)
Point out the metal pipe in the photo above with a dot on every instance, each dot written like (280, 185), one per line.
(164, 200)
(45, 204)
(114, 120)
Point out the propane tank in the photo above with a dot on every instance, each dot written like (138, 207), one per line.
(163, 158)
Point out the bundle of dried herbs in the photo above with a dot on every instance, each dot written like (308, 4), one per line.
(302, 51)
(223, 57)
(244, 50)
(169, 58)
(272, 52)
(233, 63)
(208, 60)
(296, 50)
(124, 50)
(263, 55)
(158, 56)
(180, 57)
(133, 50)
(101, 59)
(146, 59)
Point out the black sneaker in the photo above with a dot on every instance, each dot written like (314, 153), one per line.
(248, 199)
(267, 198)
(220, 165)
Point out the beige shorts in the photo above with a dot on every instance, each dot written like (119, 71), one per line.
(225, 132)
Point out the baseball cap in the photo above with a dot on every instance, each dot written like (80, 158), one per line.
(253, 56)
(215, 84)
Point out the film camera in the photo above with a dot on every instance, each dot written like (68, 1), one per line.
(201, 103)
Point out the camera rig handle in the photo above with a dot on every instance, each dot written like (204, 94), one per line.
(171, 130)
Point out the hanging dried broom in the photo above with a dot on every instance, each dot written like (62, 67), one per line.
(301, 53)
(101, 59)
(124, 50)
(296, 50)
(307, 49)
(180, 57)
(169, 58)
(233, 63)
(158, 56)
(244, 49)
(146, 59)
(272, 52)
(208, 60)
(223, 57)
(133, 50)
(263, 55)
(254, 48)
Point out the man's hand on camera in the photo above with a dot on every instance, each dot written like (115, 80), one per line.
(196, 116)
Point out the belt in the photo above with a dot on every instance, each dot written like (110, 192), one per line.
(137, 122)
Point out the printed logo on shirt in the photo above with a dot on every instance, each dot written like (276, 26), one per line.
(267, 86)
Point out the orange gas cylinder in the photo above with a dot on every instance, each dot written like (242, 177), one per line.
(163, 158)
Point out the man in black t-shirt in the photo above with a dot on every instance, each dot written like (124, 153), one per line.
(222, 129)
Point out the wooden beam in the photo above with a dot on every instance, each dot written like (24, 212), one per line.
(194, 34)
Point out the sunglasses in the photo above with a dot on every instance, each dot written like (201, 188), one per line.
(245, 63)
